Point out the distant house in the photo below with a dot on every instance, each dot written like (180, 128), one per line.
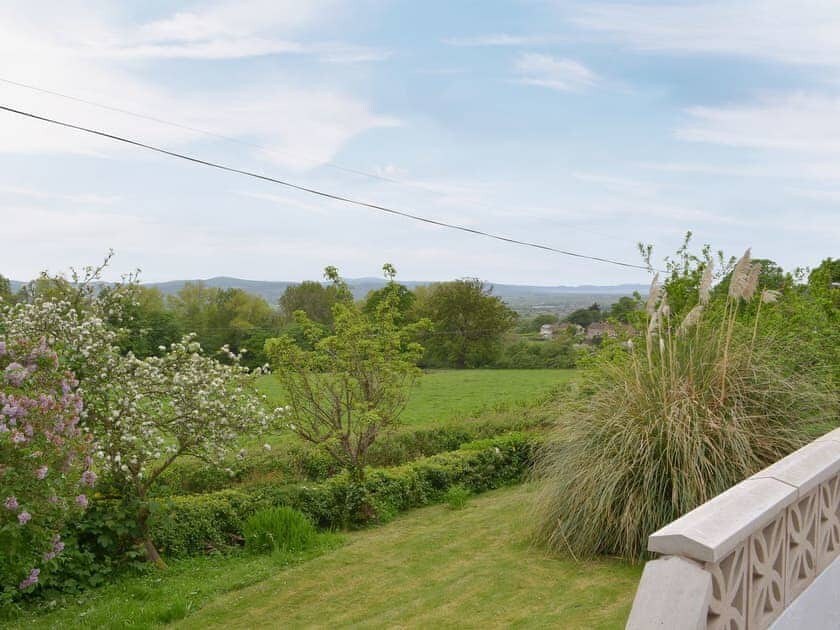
(547, 331)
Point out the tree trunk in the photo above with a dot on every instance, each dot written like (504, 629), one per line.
(152, 554)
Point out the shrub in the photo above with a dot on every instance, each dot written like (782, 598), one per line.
(697, 405)
(45, 460)
(194, 524)
(456, 497)
(279, 529)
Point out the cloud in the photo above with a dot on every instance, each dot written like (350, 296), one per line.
(802, 123)
(499, 39)
(234, 30)
(300, 126)
(804, 32)
(566, 75)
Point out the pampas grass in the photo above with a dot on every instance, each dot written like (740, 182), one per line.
(663, 428)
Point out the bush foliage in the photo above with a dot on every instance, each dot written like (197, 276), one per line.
(706, 398)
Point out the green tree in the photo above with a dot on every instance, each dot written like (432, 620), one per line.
(313, 298)
(624, 309)
(5, 288)
(222, 317)
(585, 316)
(145, 322)
(405, 300)
(468, 323)
(354, 382)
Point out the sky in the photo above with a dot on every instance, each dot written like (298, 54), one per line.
(586, 126)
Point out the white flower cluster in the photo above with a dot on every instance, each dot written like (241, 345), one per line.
(144, 413)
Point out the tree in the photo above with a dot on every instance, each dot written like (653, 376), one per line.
(405, 299)
(354, 382)
(5, 289)
(624, 309)
(153, 411)
(44, 461)
(146, 325)
(585, 316)
(143, 414)
(468, 323)
(221, 317)
(312, 298)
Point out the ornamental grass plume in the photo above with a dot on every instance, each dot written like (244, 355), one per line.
(698, 404)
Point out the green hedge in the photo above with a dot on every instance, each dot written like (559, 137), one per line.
(186, 525)
(296, 462)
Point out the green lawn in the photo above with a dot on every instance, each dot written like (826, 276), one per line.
(443, 395)
(436, 568)
(433, 567)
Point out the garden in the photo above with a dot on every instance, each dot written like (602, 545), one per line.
(367, 470)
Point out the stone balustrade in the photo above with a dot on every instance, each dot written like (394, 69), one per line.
(739, 560)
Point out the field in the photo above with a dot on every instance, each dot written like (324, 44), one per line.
(442, 395)
(432, 567)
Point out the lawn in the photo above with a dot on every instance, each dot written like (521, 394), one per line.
(433, 567)
(436, 567)
(442, 395)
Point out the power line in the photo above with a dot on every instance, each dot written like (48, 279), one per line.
(314, 191)
(255, 145)
(214, 134)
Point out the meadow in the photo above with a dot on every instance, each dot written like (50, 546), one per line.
(443, 395)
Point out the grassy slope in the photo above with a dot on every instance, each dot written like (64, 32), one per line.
(449, 394)
(436, 568)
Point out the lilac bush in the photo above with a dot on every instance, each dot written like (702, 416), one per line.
(45, 460)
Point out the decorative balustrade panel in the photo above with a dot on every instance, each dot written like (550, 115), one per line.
(763, 542)
(768, 555)
(802, 545)
(728, 608)
(829, 523)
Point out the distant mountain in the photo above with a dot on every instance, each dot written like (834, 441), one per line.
(519, 296)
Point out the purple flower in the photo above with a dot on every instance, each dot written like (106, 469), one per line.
(11, 503)
(57, 548)
(89, 477)
(53, 499)
(41, 473)
(82, 500)
(24, 517)
(2, 348)
(32, 579)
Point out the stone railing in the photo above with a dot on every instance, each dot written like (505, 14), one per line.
(740, 560)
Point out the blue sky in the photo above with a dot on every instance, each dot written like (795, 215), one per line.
(587, 126)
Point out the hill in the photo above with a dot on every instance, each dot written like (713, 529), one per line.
(525, 299)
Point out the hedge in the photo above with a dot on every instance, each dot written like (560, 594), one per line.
(296, 462)
(185, 525)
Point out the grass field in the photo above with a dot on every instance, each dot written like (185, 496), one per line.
(432, 567)
(436, 568)
(443, 395)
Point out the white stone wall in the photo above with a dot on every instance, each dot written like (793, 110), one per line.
(762, 544)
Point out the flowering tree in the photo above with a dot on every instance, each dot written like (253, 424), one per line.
(158, 409)
(143, 414)
(45, 462)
